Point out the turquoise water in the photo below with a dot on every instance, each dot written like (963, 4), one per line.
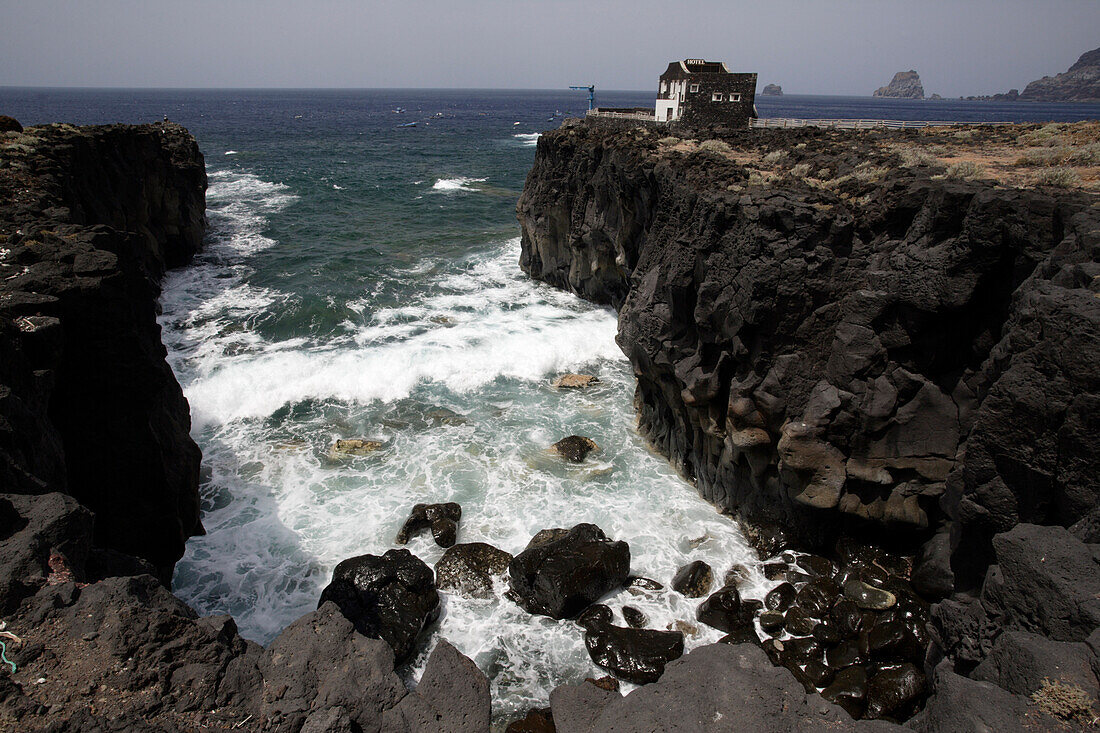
(360, 277)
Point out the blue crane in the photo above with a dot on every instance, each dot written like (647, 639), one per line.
(591, 89)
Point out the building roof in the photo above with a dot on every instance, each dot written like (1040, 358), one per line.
(691, 67)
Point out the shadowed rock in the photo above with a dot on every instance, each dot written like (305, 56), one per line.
(442, 519)
(693, 580)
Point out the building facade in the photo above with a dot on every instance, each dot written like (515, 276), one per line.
(698, 92)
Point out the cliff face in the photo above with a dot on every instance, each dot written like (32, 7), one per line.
(904, 85)
(1080, 83)
(838, 344)
(90, 220)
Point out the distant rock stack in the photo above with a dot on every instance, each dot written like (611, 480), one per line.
(904, 85)
(772, 90)
(1080, 83)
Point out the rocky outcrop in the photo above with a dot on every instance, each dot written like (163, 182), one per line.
(889, 352)
(772, 90)
(89, 221)
(1080, 83)
(904, 85)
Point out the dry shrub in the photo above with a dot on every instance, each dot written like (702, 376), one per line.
(801, 170)
(775, 157)
(913, 157)
(715, 146)
(1059, 177)
(963, 170)
(1065, 701)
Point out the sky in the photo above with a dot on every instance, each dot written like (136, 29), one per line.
(959, 47)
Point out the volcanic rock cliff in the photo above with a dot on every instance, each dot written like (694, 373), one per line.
(828, 341)
(1079, 83)
(904, 85)
(89, 221)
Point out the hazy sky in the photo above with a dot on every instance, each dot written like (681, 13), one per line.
(826, 47)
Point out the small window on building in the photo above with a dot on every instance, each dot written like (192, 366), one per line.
(693, 88)
(735, 97)
(664, 87)
(716, 97)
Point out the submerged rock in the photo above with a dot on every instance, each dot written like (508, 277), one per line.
(354, 447)
(634, 618)
(470, 568)
(560, 576)
(392, 597)
(693, 580)
(575, 448)
(574, 381)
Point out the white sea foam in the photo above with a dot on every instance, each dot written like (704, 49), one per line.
(528, 139)
(453, 185)
(230, 152)
(474, 336)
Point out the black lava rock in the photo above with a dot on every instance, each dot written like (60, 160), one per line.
(693, 580)
(726, 611)
(470, 568)
(561, 577)
(392, 597)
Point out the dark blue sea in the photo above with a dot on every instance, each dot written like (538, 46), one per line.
(360, 279)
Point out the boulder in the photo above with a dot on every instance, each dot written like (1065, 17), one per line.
(31, 529)
(1019, 662)
(693, 580)
(319, 663)
(575, 448)
(442, 519)
(9, 124)
(635, 655)
(539, 720)
(392, 597)
(895, 692)
(562, 576)
(1051, 582)
(726, 611)
(470, 569)
(452, 695)
(962, 704)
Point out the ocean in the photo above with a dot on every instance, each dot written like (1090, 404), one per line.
(360, 279)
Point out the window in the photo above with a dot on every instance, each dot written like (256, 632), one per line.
(664, 87)
(716, 97)
(735, 97)
(693, 88)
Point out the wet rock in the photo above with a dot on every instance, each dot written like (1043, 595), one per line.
(827, 633)
(693, 580)
(539, 720)
(817, 597)
(725, 610)
(452, 695)
(819, 673)
(607, 682)
(442, 519)
(772, 622)
(801, 650)
(775, 570)
(868, 597)
(635, 655)
(738, 576)
(595, 616)
(892, 640)
(575, 448)
(642, 583)
(816, 565)
(848, 690)
(445, 416)
(895, 693)
(798, 621)
(574, 381)
(743, 635)
(392, 597)
(354, 447)
(470, 569)
(780, 597)
(562, 576)
(845, 654)
(635, 619)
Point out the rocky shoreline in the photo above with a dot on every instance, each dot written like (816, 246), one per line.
(840, 335)
(99, 476)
